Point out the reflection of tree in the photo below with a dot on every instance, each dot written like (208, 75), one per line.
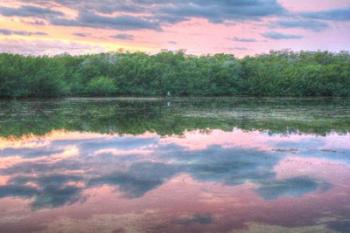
(318, 116)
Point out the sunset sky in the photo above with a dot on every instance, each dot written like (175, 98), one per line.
(240, 27)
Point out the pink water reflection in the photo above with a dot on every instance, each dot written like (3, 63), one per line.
(199, 182)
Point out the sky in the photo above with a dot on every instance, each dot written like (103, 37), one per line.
(239, 27)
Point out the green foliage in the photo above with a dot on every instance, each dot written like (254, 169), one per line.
(281, 73)
(101, 86)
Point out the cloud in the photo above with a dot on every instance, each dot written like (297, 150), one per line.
(307, 24)
(342, 14)
(80, 34)
(47, 47)
(105, 6)
(122, 22)
(123, 36)
(280, 36)
(151, 14)
(242, 39)
(210, 9)
(219, 11)
(29, 11)
(240, 48)
(8, 32)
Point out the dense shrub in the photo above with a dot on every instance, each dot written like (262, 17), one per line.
(281, 73)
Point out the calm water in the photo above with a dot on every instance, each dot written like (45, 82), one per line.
(180, 165)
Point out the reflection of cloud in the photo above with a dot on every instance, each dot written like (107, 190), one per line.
(48, 191)
(139, 164)
(139, 178)
(196, 219)
(293, 187)
(196, 140)
(318, 148)
(87, 146)
(340, 226)
(30, 152)
(17, 191)
(41, 167)
(227, 165)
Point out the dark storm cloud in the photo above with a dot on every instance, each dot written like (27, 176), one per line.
(342, 14)
(8, 32)
(123, 36)
(29, 11)
(307, 24)
(280, 36)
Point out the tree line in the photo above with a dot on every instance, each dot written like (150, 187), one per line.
(278, 73)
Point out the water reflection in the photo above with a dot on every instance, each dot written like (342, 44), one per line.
(230, 183)
(137, 116)
(213, 180)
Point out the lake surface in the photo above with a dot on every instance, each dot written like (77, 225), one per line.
(235, 165)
